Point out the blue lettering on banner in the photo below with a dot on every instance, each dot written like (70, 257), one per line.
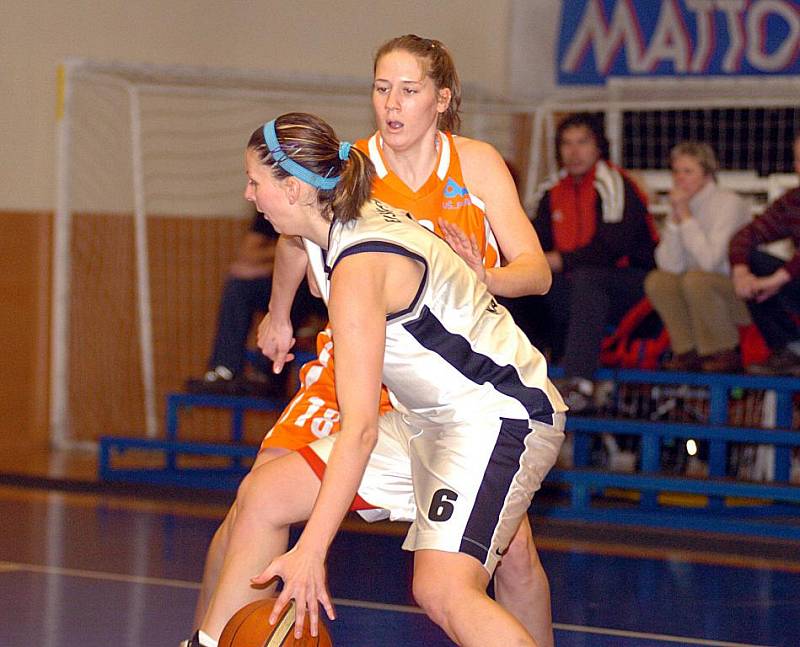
(599, 39)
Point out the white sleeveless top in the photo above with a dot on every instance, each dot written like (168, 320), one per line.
(454, 354)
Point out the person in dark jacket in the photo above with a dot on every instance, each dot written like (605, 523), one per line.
(246, 292)
(770, 285)
(599, 239)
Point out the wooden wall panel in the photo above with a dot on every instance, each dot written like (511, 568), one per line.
(24, 286)
(189, 258)
(188, 261)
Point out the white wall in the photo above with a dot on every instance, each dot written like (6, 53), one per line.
(532, 47)
(307, 36)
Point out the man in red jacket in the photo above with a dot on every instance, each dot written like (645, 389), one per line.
(770, 285)
(599, 239)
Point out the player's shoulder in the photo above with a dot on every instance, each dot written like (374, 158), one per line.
(482, 166)
(377, 219)
(475, 150)
(375, 210)
(363, 144)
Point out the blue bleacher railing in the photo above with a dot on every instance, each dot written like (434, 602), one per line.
(768, 508)
(172, 471)
(717, 503)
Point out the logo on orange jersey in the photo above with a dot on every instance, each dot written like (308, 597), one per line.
(456, 196)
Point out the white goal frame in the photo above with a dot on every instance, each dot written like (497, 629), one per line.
(486, 117)
(482, 114)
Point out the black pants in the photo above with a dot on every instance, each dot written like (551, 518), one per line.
(241, 300)
(773, 317)
(571, 319)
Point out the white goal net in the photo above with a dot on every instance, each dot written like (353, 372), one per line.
(150, 210)
(749, 123)
(149, 214)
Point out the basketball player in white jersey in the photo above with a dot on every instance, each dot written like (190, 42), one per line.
(460, 187)
(477, 424)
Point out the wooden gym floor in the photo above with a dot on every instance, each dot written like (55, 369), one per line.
(85, 565)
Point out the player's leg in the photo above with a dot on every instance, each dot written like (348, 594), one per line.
(521, 586)
(451, 588)
(387, 481)
(310, 414)
(473, 484)
(219, 544)
(280, 492)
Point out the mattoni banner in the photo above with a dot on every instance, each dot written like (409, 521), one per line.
(599, 39)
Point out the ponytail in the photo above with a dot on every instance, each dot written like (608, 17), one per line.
(354, 187)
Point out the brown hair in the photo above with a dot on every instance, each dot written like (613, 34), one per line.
(312, 143)
(438, 66)
(702, 153)
(592, 123)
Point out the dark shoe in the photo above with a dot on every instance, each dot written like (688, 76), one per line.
(687, 362)
(221, 381)
(578, 394)
(725, 361)
(781, 362)
(261, 385)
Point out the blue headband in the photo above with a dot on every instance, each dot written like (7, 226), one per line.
(292, 167)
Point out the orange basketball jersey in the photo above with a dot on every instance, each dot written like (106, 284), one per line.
(314, 411)
(444, 195)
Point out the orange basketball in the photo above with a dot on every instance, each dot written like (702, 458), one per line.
(249, 627)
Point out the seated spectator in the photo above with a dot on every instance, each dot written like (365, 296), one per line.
(598, 238)
(691, 289)
(770, 285)
(246, 293)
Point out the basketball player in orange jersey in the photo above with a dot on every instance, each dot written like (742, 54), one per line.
(462, 189)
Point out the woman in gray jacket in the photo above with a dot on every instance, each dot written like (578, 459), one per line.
(691, 289)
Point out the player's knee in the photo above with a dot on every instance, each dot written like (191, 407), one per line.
(245, 490)
(431, 594)
(220, 540)
(520, 562)
(251, 496)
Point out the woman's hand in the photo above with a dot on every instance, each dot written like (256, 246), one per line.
(766, 287)
(466, 247)
(679, 201)
(275, 341)
(744, 282)
(303, 575)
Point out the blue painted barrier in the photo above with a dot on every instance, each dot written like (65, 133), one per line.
(172, 447)
(771, 508)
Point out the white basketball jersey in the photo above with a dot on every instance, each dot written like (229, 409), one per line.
(316, 263)
(455, 353)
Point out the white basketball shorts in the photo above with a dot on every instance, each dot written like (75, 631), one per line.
(465, 488)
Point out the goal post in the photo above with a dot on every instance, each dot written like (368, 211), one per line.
(748, 121)
(149, 213)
